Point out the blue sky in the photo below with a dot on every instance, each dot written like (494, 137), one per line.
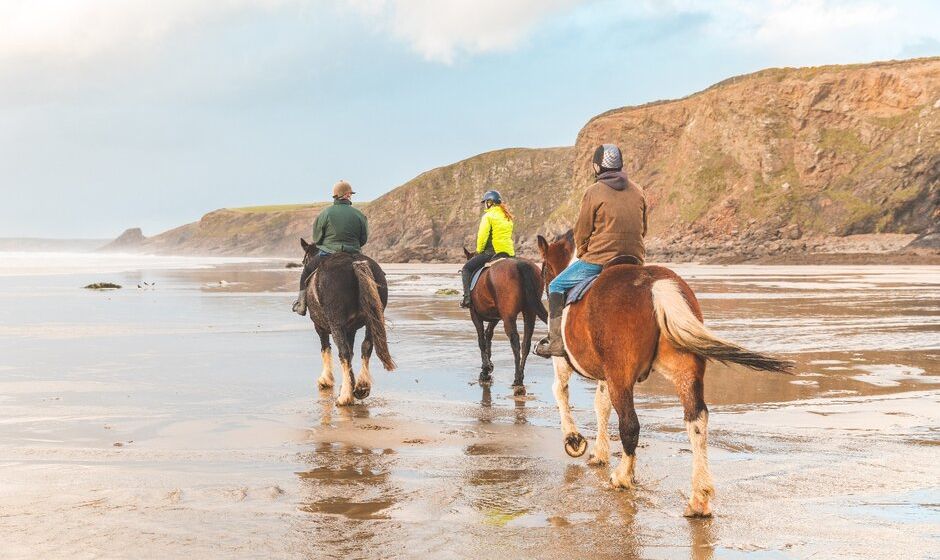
(120, 113)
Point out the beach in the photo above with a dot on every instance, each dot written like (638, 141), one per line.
(180, 415)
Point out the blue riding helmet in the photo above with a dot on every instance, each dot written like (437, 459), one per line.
(492, 196)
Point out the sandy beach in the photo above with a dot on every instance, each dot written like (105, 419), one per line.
(183, 418)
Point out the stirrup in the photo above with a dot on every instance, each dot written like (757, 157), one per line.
(544, 349)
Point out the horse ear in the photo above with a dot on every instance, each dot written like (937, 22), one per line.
(543, 245)
(304, 244)
(467, 253)
(569, 236)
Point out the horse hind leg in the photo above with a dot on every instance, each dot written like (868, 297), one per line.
(326, 352)
(345, 343)
(528, 322)
(575, 444)
(509, 325)
(622, 399)
(687, 373)
(601, 454)
(364, 383)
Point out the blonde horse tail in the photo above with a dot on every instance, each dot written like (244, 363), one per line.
(684, 330)
(370, 303)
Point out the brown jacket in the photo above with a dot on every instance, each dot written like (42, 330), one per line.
(612, 220)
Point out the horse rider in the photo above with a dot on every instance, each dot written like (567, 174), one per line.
(493, 238)
(339, 228)
(611, 223)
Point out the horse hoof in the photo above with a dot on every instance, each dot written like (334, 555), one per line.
(692, 513)
(361, 392)
(596, 461)
(344, 401)
(324, 386)
(575, 444)
(485, 380)
(518, 390)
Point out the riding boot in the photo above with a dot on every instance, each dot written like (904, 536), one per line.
(465, 277)
(300, 306)
(553, 344)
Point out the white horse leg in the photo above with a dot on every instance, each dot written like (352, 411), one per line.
(326, 377)
(601, 454)
(575, 444)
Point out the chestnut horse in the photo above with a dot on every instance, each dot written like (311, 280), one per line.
(346, 293)
(505, 289)
(636, 319)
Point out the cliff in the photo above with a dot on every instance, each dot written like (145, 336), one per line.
(776, 164)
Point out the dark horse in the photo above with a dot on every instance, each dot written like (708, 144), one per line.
(346, 293)
(504, 290)
(634, 320)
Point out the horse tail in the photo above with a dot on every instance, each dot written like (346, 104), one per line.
(532, 287)
(686, 331)
(370, 304)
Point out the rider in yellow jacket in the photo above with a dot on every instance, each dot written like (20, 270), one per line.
(494, 237)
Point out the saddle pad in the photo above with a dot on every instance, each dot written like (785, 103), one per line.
(477, 274)
(575, 294)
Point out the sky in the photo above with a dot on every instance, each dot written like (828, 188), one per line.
(150, 113)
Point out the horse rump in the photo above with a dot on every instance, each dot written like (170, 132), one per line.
(684, 330)
(370, 305)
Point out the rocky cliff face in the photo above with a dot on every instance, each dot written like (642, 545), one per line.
(760, 164)
(435, 214)
(769, 164)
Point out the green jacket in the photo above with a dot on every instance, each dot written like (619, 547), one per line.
(341, 228)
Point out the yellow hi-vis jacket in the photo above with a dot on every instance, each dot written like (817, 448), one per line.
(495, 233)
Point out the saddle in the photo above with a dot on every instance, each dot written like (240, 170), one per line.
(577, 293)
(489, 263)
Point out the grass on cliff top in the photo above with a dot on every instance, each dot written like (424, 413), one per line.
(274, 208)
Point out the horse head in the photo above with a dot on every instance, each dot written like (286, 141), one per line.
(310, 250)
(556, 255)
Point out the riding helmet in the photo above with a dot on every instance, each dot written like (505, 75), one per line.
(608, 157)
(492, 196)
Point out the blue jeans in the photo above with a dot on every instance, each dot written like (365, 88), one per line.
(577, 272)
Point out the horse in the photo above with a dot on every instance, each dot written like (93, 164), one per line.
(346, 293)
(505, 289)
(636, 319)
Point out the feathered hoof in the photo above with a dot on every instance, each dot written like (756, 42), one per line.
(345, 401)
(575, 444)
(518, 390)
(362, 391)
(622, 482)
(485, 379)
(324, 385)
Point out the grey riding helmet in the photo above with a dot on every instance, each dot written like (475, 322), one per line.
(608, 157)
(492, 196)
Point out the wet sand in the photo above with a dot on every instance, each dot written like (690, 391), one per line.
(185, 420)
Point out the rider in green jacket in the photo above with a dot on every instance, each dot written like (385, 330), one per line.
(339, 228)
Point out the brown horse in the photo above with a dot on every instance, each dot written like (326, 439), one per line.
(346, 293)
(504, 290)
(634, 320)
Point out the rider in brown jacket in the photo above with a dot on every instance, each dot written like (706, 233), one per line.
(611, 223)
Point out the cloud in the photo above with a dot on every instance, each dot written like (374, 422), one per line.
(76, 29)
(440, 31)
(814, 29)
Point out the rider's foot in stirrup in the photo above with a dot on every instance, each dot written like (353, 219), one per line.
(548, 347)
(465, 303)
(299, 307)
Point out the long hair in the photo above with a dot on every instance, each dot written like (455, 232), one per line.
(505, 209)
